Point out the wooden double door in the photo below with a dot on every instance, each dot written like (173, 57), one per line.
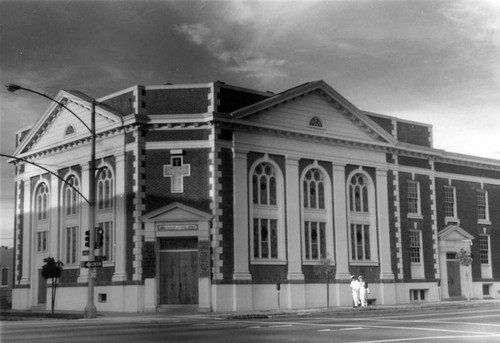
(178, 272)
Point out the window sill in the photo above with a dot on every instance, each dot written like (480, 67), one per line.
(72, 266)
(452, 220)
(268, 262)
(484, 222)
(314, 262)
(414, 216)
(363, 263)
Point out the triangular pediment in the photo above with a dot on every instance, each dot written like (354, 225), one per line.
(315, 109)
(176, 212)
(454, 233)
(58, 126)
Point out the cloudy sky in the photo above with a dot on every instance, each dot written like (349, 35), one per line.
(436, 62)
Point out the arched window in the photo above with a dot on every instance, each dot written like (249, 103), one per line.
(316, 208)
(358, 191)
(71, 221)
(362, 218)
(69, 130)
(71, 196)
(105, 191)
(105, 212)
(315, 122)
(267, 212)
(42, 201)
(264, 185)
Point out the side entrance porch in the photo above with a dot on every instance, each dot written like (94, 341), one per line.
(176, 259)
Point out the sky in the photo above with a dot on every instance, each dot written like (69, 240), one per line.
(436, 62)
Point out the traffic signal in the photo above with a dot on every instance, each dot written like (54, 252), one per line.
(99, 238)
(87, 238)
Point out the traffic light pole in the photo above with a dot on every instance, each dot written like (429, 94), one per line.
(90, 309)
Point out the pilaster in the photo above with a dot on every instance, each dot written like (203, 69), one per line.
(120, 257)
(27, 236)
(241, 252)
(340, 216)
(383, 226)
(293, 219)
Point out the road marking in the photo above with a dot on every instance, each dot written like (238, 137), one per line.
(254, 327)
(281, 326)
(412, 339)
(344, 329)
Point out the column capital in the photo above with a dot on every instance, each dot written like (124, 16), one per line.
(292, 158)
(240, 153)
(339, 167)
(382, 171)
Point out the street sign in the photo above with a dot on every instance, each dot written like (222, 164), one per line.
(85, 252)
(92, 264)
(99, 258)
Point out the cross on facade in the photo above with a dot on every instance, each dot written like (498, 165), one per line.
(176, 171)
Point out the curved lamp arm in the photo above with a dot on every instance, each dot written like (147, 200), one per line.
(12, 88)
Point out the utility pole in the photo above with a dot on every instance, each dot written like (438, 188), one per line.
(90, 309)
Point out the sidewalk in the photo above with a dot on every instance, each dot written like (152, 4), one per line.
(15, 315)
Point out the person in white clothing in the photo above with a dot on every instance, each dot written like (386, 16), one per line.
(363, 292)
(355, 290)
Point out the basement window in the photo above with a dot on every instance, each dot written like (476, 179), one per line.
(418, 295)
(102, 297)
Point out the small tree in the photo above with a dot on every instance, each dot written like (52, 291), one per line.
(325, 268)
(464, 258)
(52, 270)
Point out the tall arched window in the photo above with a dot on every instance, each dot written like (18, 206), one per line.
(316, 209)
(41, 214)
(105, 189)
(71, 221)
(71, 200)
(362, 218)
(267, 212)
(105, 212)
(42, 201)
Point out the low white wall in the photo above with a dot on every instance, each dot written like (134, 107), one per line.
(129, 298)
(20, 299)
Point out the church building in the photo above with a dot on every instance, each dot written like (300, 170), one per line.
(221, 198)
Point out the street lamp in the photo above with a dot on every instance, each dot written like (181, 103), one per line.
(90, 309)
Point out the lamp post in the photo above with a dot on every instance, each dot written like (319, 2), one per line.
(90, 309)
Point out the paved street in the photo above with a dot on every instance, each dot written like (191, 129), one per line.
(473, 324)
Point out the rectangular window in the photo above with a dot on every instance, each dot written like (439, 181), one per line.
(71, 245)
(484, 249)
(265, 238)
(413, 197)
(415, 246)
(315, 240)
(360, 242)
(41, 241)
(482, 213)
(5, 277)
(449, 202)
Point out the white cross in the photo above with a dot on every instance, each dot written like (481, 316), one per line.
(176, 172)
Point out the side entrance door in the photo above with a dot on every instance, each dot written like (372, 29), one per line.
(453, 267)
(178, 271)
(42, 289)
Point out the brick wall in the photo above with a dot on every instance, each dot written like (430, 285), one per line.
(196, 186)
(227, 193)
(413, 134)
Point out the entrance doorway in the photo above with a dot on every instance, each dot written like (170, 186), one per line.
(453, 268)
(178, 271)
(42, 289)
